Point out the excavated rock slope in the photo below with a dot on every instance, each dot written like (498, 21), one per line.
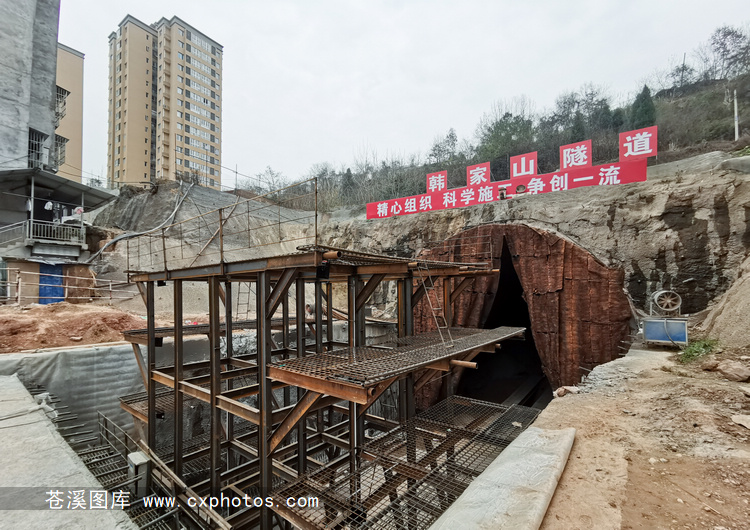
(686, 229)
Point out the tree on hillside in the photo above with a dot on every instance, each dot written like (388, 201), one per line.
(578, 129)
(643, 112)
(348, 184)
(444, 149)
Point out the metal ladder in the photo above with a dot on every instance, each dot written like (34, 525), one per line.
(423, 271)
(243, 300)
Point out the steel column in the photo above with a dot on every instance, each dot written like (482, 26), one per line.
(264, 346)
(151, 361)
(300, 318)
(228, 418)
(178, 363)
(214, 339)
(318, 316)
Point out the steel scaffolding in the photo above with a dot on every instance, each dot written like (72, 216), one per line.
(294, 414)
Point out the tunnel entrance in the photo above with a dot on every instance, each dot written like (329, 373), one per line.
(513, 373)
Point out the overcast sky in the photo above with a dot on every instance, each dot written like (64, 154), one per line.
(329, 81)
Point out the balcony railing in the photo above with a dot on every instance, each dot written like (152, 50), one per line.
(47, 231)
(12, 233)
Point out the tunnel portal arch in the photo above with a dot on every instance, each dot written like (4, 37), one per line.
(579, 312)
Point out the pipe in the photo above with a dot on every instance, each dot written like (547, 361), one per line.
(464, 364)
(332, 254)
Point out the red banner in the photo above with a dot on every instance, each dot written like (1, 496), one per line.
(576, 155)
(478, 175)
(638, 144)
(523, 165)
(437, 181)
(604, 175)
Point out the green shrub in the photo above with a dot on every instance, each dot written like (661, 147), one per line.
(697, 349)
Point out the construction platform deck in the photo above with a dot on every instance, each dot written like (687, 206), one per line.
(353, 373)
(409, 476)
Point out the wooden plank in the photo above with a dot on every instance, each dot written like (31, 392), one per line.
(294, 416)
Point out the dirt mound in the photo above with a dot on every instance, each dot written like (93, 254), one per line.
(727, 319)
(62, 324)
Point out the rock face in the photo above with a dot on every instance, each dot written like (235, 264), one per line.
(686, 229)
(734, 370)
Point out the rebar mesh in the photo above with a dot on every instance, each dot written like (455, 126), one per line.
(414, 472)
(367, 366)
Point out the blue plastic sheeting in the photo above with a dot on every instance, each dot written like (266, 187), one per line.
(51, 287)
(665, 331)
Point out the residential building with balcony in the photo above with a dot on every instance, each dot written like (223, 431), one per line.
(42, 232)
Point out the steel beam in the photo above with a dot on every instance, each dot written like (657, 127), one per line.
(293, 418)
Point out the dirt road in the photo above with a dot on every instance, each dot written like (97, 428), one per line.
(655, 448)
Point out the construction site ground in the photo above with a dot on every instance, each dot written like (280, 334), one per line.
(655, 446)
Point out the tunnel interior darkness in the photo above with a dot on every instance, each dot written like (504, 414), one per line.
(513, 373)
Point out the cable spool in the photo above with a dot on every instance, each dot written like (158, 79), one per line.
(666, 302)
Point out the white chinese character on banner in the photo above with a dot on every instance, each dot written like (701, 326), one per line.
(98, 499)
(559, 182)
(382, 209)
(609, 175)
(77, 500)
(523, 171)
(485, 194)
(425, 203)
(55, 500)
(436, 183)
(639, 144)
(536, 185)
(120, 499)
(396, 208)
(467, 196)
(575, 156)
(410, 206)
(478, 175)
(449, 198)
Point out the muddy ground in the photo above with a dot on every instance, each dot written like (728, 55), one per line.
(63, 324)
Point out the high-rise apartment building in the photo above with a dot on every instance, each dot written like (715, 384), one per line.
(164, 104)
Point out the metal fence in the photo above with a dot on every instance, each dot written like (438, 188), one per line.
(270, 224)
(22, 287)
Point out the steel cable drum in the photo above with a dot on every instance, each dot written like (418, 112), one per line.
(666, 301)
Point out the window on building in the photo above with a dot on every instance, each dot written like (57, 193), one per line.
(36, 148)
(180, 55)
(179, 103)
(179, 114)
